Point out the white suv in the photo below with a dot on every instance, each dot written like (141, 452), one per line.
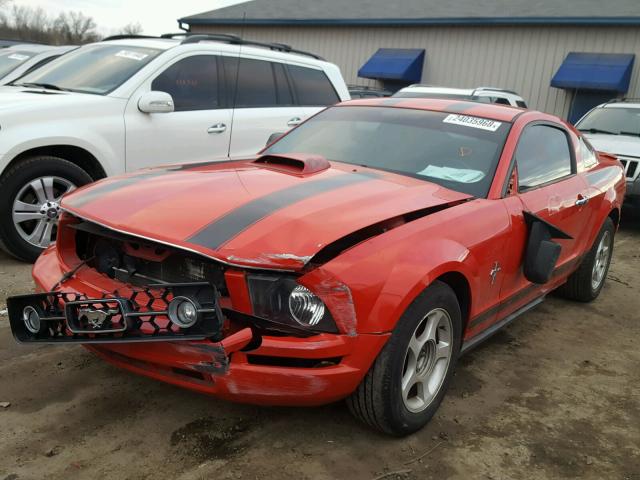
(480, 94)
(132, 102)
(614, 127)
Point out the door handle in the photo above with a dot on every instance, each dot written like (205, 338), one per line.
(217, 128)
(582, 200)
(295, 121)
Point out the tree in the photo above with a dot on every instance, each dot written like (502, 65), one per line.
(75, 28)
(131, 29)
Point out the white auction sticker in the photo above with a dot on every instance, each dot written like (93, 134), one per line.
(473, 122)
(18, 56)
(131, 55)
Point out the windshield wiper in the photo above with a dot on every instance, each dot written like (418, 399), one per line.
(631, 134)
(597, 130)
(48, 86)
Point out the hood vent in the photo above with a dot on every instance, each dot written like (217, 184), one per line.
(294, 163)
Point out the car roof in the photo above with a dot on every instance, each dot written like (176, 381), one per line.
(31, 47)
(501, 113)
(625, 104)
(444, 90)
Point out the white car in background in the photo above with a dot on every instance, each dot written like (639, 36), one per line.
(480, 94)
(18, 60)
(133, 102)
(614, 127)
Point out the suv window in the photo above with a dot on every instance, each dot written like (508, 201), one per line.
(313, 88)
(542, 155)
(256, 83)
(192, 82)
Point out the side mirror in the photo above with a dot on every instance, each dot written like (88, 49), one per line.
(273, 137)
(541, 253)
(155, 102)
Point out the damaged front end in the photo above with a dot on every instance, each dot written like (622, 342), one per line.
(244, 334)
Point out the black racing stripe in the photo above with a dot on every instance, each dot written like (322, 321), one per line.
(224, 229)
(92, 193)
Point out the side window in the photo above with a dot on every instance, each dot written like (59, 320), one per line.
(588, 154)
(313, 88)
(283, 89)
(192, 82)
(521, 104)
(543, 155)
(255, 81)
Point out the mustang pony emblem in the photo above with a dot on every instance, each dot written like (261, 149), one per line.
(95, 318)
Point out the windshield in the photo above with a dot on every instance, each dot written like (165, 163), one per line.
(10, 60)
(614, 121)
(459, 152)
(95, 69)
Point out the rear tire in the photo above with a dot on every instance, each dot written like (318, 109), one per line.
(380, 400)
(585, 284)
(52, 177)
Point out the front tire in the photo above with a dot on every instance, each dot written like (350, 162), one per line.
(407, 382)
(30, 194)
(585, 284)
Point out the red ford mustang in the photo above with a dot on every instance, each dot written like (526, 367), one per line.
(357, 257)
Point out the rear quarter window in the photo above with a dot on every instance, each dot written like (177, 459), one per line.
(313, 87)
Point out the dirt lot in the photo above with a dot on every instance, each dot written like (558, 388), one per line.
(555, 395)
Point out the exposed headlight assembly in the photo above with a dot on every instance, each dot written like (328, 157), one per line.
(283, 300)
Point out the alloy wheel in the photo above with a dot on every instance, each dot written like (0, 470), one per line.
(36, 209)
(427, 360)
(601, 261)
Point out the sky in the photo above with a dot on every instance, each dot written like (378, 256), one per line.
(156, 17)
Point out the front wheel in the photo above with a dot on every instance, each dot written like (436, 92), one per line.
(407, 382)
(30, 194)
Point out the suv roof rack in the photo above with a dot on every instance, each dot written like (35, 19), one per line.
(236, 40)
(126, 37)
(189, 37)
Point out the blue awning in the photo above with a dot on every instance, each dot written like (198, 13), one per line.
(401, 64)
(595, 71)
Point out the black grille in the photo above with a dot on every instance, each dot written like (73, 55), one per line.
(136, 316)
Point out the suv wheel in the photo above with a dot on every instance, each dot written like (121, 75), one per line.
(30, 194)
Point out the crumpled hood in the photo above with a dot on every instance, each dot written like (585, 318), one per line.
(615, 144)
(250, 215)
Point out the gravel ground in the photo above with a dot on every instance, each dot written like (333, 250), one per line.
(555, 395)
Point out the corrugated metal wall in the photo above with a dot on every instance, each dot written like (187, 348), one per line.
(520, 58)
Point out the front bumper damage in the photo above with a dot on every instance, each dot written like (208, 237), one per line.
(245, 363)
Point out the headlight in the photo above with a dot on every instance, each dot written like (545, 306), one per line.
(283, 300)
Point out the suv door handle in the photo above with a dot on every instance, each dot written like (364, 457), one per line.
(295, 121)
(217, 128)
(582, 200)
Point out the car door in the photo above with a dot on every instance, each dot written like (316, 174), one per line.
(199, 128)
(262, 101)
(549, 187)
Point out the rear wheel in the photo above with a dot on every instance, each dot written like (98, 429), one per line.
(585, 284)
(30, 194)
(404, 387)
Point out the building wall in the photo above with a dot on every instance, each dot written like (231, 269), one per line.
(521, 58)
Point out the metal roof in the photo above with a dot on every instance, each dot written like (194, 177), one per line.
(422, 12)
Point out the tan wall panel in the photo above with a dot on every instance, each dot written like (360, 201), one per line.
(520, 58)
